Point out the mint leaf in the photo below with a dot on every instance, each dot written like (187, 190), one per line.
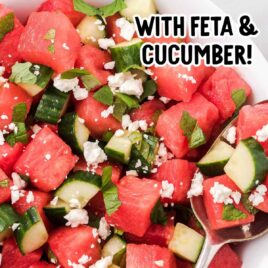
(19, 135)
(76, 72)
(6, 25)
(105, 11)
(239, 97)
(149, 89)
(21, 74)
(230, 213)
(90, 81)
(51, 48)
(120, 108)
(104, 95)
(50, 35)
(192, 131)
(158, 215)
(131, 101)
(19, 112)
(4, 183)
(248, 205)
(109, 191)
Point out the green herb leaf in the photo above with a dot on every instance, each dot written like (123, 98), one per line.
(239, 97)
(51, 48)
(43, 74)
(149, 89)
(90, 81)
(130, 101)
(21, 74)
(19, 135)
(104, 95)
(109, 191)
(120, 108)
(158, 214)
(192, 131)
(6, 24)
(4, 183)
(248, 205)
(70, 74)
(105, 11)
(230, 213)
(19, 112)
(50, 35)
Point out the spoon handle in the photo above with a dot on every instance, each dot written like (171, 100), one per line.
(207, 254)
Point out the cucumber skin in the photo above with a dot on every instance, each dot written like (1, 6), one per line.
(51, 106)
(67, 131)
(117, 156)
(56, 214)
(126, 58)
(8, 216)
(44, 77)
(213, 169)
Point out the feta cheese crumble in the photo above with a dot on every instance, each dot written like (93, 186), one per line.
(80, 93)
(196, 185)
(107, 112)
(119, 133)
(133, 126)
(74, 203)
(257, 197)
(15, 226)
(18, 181)
(127, 29)
(105, 43)
(132, 173)
(104, 229)
(76, 217)
(103, 263)
(165, 100)
(109, 65)
(54, 201)
(30, 197)
(2, 139)
(231, 135)
(167, 189)
(262, 134)
(159, 263)
(93, 154)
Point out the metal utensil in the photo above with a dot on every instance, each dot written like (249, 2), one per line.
(216, 239)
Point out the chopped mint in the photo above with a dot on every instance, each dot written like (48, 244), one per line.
(50, 35)
(4, 183)
(131, 101)
(239, 97)
(70, 74)
(6, 25)
(51, 48)
(104, 95)
(149, 89)
(230, 213)
(158, 214)
(19, 112)
(21, 74)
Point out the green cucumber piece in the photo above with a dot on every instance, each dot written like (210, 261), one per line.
(31, 233)
(186, 243)
(119, 148)
(6, 24)
(52, 106)
(130, 101)
(248, 166)
(80, 185)
(73, 132)
(56, 213)
(8, 216)
(127, 55)
(212, 164)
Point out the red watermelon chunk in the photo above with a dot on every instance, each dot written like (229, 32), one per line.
(215, 210)
(93, 59)
(90, 110)
(219, 87)
(226, 258)
(65, 6)
(179, 173)
(35, 47)
(72, 243)
(180, 83)
(148, 111)
(12, 257)
(9, 97)
(168, 122)
(4, 189)
(149, 256)
(263, 206)
(9, 155)
(138, 197)
(250, 120)
(156, 234)
(42, 264)
(46, 160)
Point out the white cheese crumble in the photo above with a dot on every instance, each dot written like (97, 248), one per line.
(103, 263)
(93, 154)
(119, 133)
(127, 29)
(159, 263)
(65, 46)
(54, 201)
(132, 173)
(18, 181)
(105, 43)
(165, 100)
(80, 93)
(81, 120)
(262, 134)
(187, 78)
(107, 112)
(167, 189)
(246, 228)
(74, 203)
(231, 135)
(76, 217)
(35, 128)
(109, 65)
(196, 185)
(47, 157)
(133, 126)
(2, 70)
(2, 139)
(30, 197)
(257, 197)
(65, 85)
(15, 226)
(104, 229)
(162, 155)
(84, 259)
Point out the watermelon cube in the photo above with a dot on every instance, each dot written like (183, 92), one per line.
(93, 59)
(149, 256)
(138, 197)
(47, 160)
(215, 210)
(226, 258)
(250, 120)
(219, 88)
(90, 110)
(12, 257)
(180, 173)
(168, 122)
(5, 184)
(42, 264)
(180, 83)
(9, 97)
(263, 206)
(70, 244)
(50, 39)
(65, 6)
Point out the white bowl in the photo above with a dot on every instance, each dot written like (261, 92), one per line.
(252, 253)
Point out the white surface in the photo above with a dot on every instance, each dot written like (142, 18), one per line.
(253, 253)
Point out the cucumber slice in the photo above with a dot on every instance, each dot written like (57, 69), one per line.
(127, 55)
(143, 8)
(212, 164)
(73, 132)
(115, 247)
(80, 185)
(186, 243)
(8, 216)
(56, 213)
(90, 30)
(119, 148)
(31, 233)
(248, 166)
(52, 106)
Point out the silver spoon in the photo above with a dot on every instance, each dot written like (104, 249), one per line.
(216, 239)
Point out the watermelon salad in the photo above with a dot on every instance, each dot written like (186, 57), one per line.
(100, 156)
